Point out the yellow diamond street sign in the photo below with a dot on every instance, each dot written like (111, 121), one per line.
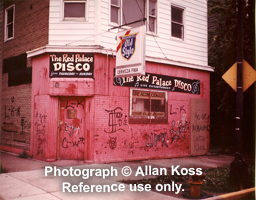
(249, 76)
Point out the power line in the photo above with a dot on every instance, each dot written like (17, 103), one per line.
(152, 33)
(126, 24)
(87, 37)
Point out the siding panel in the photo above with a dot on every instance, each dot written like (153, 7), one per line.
(193, 49)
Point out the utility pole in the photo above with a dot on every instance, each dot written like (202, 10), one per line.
(239, 87)
(239, 168)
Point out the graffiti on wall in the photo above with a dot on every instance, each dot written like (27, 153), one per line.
(72, 130)
(74, 137)
(166, 137)
(116, 120)
(67, 144)
(40, 123)
(72, 104)
(15, 123)
(11, 112)
(112, 142)
(176, 110)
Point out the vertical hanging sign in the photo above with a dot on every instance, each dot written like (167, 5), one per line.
(130, 52)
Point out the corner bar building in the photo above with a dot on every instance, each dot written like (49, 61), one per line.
(81, 110)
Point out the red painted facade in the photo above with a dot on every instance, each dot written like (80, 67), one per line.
(89, 118)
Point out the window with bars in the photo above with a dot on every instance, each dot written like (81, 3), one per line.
(177, 22)
(126, 12)
(9, 22)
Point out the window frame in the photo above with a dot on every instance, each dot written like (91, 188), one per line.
(182, 24)
(147, 16)
(74, 18)
(6, 30)
(152, 16)
(118, 12)
(149, 119)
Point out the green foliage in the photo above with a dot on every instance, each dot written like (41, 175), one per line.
(222, 54)
(216, 180)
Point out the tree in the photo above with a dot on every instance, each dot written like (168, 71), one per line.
(222, 44)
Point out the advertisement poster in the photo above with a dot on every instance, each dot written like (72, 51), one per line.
(127, 100)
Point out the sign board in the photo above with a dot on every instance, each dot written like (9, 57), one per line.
(249, 76)
(130, 52)
(73, 65)
(199, 121)
(160, 82)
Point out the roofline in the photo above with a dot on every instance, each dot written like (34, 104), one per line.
(102, 50)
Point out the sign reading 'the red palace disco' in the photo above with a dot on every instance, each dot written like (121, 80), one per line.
(79, 65)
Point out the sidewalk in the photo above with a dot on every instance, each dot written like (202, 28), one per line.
(26, 178)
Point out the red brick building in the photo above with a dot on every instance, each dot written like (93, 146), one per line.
(78, 109)
(24, 26)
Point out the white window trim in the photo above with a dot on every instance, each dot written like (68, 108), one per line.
(120, 17)
(156, 18)
(74, 18)
(184, 23)
(119, 14)
(5, 24)
(147, 90)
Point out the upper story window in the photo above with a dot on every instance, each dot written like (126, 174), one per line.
(126, 12)
(148, 106)
(115, 11)
(74, 10)
(9, 22)
(177, 20)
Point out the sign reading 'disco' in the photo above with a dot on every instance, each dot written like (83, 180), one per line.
(71, 65)
(161, 82)
(130, 52)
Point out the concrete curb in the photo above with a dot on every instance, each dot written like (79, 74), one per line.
(235, 195)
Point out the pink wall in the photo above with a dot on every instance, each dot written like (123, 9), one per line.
(44, 112)
(129, 141)
(105, 142)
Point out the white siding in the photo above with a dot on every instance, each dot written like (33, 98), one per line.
(95, 31)
(71, 32)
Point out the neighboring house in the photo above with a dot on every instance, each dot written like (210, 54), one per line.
(25, 26)
(62, 100)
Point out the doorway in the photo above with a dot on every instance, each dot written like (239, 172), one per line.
(71, 137)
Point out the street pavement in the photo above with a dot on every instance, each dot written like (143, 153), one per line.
(27, 179)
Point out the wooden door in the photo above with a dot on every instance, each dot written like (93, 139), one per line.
(71, 128)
